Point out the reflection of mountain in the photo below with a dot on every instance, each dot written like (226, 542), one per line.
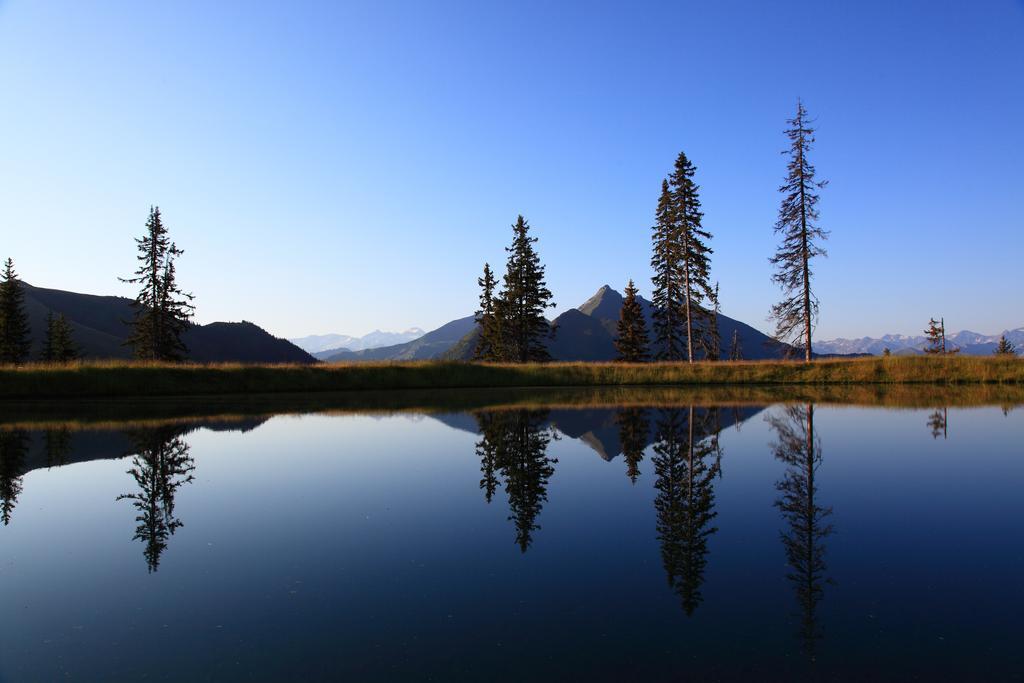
(598, 428)
(64, 446)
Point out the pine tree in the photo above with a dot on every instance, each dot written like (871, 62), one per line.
(488, 344)
(162, 310)
(694, 254)
(15, 342)
(524, 298)
(632, 341)
(1006, 347)
(936, 335)
(797, 313)
(667, 294)
(59, 345)
(736, 349)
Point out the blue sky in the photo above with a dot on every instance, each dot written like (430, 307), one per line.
(340, 167)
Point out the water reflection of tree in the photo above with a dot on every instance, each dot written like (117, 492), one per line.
(513, 450)
(685, 471)
(799, 448)
(162, 465)
(938, 423)
(634, 427)
(13, 451)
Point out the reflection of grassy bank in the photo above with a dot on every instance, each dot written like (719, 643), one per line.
(148, 412)
(117, 379)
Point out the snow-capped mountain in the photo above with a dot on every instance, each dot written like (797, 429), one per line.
(971, 343)
(317, 343)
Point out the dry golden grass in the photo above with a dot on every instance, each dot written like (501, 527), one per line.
(132, 379)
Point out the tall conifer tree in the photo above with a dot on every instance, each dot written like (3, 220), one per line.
(632, 340)
(15, 342)
(796, 314)
(524, 298)
(162, 310)
(667, 287)
(694, 255)
(488, 344)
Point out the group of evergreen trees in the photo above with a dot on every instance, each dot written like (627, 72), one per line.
(682, 294)
(16, 333)
(512, 326)
(686, 304)
(162, 310)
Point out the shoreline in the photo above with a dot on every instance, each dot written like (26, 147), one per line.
(120, 379)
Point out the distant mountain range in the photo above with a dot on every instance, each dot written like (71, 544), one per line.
(99, 329)
(586, 333)
(970, 343)
(335, 343)
(433, 344)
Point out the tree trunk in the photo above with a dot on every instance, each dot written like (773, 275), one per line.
(805, 255)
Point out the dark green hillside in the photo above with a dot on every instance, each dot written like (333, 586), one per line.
(242, 342)
(578, 336)
(99, 329)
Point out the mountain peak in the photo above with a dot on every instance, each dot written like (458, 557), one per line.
(605, 303)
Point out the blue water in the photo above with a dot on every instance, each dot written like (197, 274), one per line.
(363, 547)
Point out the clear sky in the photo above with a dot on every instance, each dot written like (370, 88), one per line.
(340, 167)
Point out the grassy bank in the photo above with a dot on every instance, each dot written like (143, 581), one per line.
(119, 379)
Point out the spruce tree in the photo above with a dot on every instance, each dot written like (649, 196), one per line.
(59, 345)
(632, 341)
(524, 298)
(667, 287)
(488, 344)
(936, 336)
(1006, 347)
(796, 314)
(162, 310)
(736, 349)
(15, 342)
(694, 255)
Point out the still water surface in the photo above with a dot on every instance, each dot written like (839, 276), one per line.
(779, 542)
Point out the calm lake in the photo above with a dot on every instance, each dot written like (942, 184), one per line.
(542, 541)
